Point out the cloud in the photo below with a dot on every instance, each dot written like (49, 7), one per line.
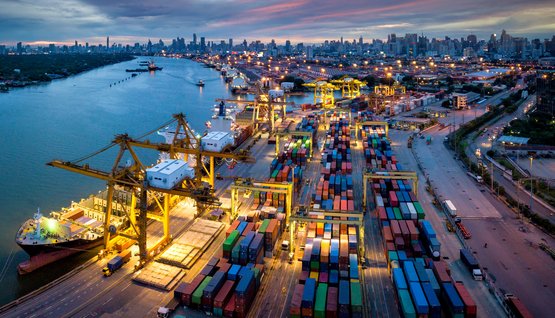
(68, 20)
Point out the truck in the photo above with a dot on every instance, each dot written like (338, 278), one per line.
(116, 263)
(450, 208)
(477, 178)
(471, 263)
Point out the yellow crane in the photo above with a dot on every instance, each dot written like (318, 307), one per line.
(251, 185)
(132, 175)
(350, 87)
(323, 92)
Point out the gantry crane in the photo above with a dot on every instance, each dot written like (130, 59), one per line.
(133, 176)
(393, 175)
(264, 109)
(384, 94)
(326, 216)
(265, 186)
(323, 92)
(350, 87)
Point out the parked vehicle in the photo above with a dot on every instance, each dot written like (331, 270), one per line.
(471, 263)
(116, 263)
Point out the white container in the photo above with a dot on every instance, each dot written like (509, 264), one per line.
(169, 173)
(216, 141)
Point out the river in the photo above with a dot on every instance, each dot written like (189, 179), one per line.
(73, 117)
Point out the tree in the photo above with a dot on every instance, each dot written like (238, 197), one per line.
(446, 104)
(370, 80)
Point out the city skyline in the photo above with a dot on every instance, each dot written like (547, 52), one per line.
(128, 22)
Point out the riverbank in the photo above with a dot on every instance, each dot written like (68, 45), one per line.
(25, 70)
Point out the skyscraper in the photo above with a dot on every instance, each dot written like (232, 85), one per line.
(202, 44)
(107, 42)
(194, 39)
(545, 92)
(230, 44)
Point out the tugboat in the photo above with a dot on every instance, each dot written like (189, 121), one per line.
(200, 83)
(153, 67)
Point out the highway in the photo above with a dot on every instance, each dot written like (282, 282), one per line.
(512, 257)
(450, 244)
(484, 140)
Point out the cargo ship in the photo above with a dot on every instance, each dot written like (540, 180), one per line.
(239, 84)
(222, 126)
(72, 230)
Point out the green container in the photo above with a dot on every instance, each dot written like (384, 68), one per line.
(406, 304)
(321, 297)
(392, 256)
(275, 173)
(197, 295)
(230, 241)
(419, 210)
(314, 265)
(235, 251)
(356, 298)
(218, 312)
(398, 215)
(264, 226)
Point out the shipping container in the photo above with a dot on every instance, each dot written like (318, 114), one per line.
(190, 289)
(419, 299)
(320, 303)
(433, 301)
(344, 301)
(356, 299)
(470, 310)
(295, 308)
(450, 297)
(405, 302)
(331, 306)
(197, 295)
(309, 294)
(223, 297)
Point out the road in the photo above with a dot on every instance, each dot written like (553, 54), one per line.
(512, 256)
(484, 140)
(450, 244)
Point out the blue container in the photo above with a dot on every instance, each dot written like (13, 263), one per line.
(433, 301)
(433, 281)
(309, 293)
(421, 271)
(245, 283)
(452, 298)
(244, 247)
(234, 272)
(333, 278)
(344, 299)
(418, 297)
(410, 272)
(241, 227)
(399, 279)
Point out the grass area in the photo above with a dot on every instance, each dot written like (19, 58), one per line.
(459, 143)
(35, 67)
(539, 127)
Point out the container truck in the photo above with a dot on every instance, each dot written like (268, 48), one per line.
(471, 263)
(116, 263)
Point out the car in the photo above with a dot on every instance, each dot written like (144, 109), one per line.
(285, 245)
(291, 255)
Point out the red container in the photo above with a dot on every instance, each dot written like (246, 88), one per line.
(470, 310)
(224, 294)
(232, 228)
(248, 228)
(331, 305)
(442, 274)
(295, 308)
(395, 229)
(412, 230)
(188, 292)
(229, 309)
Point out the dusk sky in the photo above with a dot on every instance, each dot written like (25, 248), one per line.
(311, 21)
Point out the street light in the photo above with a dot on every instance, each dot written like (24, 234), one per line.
(531, 182)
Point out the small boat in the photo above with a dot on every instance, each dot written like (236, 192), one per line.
(200, 83)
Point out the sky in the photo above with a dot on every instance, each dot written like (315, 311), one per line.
(308, 21)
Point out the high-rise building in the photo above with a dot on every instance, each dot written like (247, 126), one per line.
(545, 91)
(202, 44)
(230, 44)
(194, 39)
(107, 42)
(19, 47)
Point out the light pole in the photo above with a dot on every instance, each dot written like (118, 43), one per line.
(531, 182)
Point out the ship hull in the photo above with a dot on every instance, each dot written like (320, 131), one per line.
(41, 255)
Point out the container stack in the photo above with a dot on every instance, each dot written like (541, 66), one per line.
(422, 281)
(227, 286)
(334, 190)
(329, 283)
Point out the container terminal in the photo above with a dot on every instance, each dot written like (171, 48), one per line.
(278, 211)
